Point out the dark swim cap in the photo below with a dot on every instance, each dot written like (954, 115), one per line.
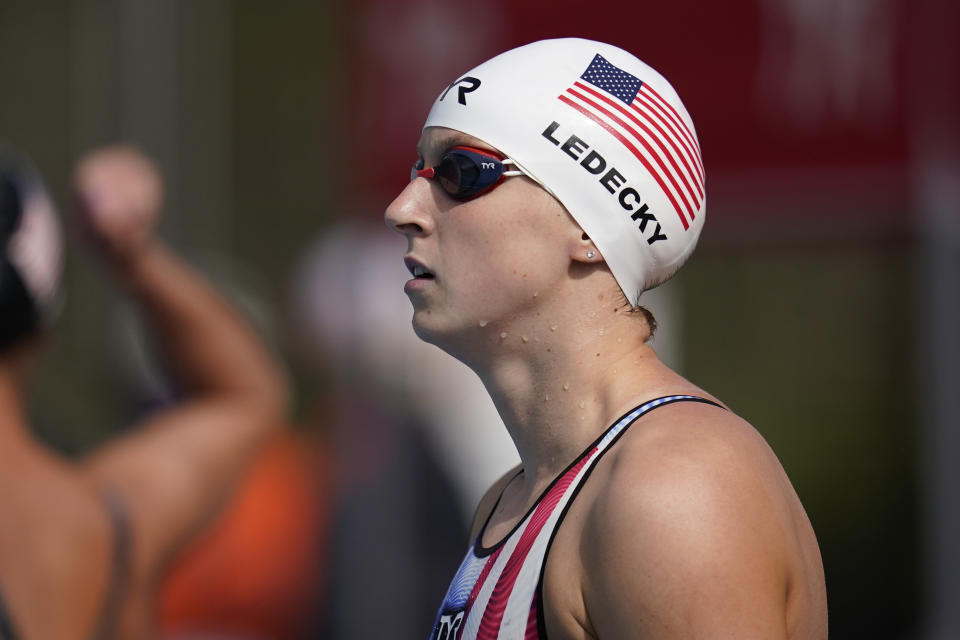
(31, 245)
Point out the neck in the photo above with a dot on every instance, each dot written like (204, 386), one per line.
(559, 384)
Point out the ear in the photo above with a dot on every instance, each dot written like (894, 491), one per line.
(581, 249)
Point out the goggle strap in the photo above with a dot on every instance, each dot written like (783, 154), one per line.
(513, 172)
(520, 171)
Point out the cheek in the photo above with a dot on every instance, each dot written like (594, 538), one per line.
(507, 250)
(507, 266)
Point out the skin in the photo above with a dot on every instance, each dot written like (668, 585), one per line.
(689, 527)
(171, 472)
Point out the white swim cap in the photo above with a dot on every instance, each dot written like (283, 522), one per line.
(605, 134)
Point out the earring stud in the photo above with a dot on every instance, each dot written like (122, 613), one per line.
(590, 254)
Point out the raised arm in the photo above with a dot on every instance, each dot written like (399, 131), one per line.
(173, 471)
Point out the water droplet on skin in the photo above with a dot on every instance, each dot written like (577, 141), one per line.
(503, 335)
(614, 372)
(566, 387)
(525, 338)
(482, 323)
(553, 327)
(601, 330)
(536, 293)
(582, 404)
(546, 397)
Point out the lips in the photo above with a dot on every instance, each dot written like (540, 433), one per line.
(418, 270)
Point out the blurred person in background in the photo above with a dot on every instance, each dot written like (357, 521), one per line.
(82, 544)
(259, 571)
(355, 264)
(554, 184)
(410, 454)
(259, 568)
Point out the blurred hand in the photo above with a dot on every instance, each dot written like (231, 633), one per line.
(120, 193)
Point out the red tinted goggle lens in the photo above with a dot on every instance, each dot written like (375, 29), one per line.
(464, 172)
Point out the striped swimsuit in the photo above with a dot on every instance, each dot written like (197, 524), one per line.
(497, 592)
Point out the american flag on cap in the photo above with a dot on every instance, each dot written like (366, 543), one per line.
(648, 126)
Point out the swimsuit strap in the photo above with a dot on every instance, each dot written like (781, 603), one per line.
(585, 466)
(6, 628)
(119, 565)
(497, 592)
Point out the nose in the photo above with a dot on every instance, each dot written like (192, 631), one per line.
(408, 214)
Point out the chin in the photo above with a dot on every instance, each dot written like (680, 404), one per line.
(425, 326)
(436, 331)
(422, 332)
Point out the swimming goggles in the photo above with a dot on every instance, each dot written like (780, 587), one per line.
(466, 172)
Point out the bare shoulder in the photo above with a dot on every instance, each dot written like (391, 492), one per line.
(678, 446)
(489, 500)
(692, 470)
(63, 544)
(692, 527)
